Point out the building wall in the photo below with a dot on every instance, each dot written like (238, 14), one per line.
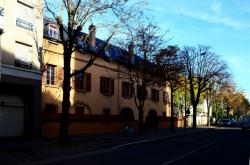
(14, 33)
(19, 80)
(94, 102)
(52, 54)
(201, 115)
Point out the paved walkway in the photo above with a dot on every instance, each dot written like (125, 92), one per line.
(21, 151)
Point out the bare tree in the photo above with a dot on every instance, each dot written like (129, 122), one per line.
(203, 67)
(144, 43)
(72, 16)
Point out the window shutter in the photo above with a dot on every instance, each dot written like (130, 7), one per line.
(101, 85)
(23, 52)
(157, 96)
(146, 94)
(138, 91)
(73, 81)
(152, 94)
(88, 82)
(44, 70)
(25, 13)
(60, 76)
(164, 97)
(123, 89)
(112, 86)
(131, 90)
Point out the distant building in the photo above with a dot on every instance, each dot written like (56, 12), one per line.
(201, 115)
(21, 29)
(100, 97)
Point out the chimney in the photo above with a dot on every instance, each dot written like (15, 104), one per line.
(92, 35)
(131, 49)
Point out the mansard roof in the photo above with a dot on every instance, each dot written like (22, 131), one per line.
(110, 53)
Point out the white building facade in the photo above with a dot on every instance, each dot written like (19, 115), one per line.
(21, 29)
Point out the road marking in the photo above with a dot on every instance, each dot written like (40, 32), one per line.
(53, 160)
(179, 158)
(191, 153)
(116, 148)
(210, 144)
(133, 143)
(156, 139)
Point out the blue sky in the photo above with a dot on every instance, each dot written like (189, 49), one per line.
(222, 24)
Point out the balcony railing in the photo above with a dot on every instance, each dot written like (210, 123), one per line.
(23, 64)
(1, 11)
(24, 24)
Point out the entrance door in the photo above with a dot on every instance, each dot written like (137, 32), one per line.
(11, 116)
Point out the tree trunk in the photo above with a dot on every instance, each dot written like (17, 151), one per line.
(209, 103)
(140, 127)
(172, 110)
(194, 116)
(64, 122)
(208, 117)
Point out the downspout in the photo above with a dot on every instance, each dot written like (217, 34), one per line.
(1, 54)
(118, 91)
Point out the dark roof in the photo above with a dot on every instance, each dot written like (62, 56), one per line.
(112, 52)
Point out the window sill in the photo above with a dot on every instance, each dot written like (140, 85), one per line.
(127, 97)
(51, 86)
(107, 94)
(82, 91)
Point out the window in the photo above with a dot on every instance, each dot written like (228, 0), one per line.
(50, 74)
(23, 55)
(106, 86)
(107, 52)
(140, 92)
(127, 90)
(25, 16)
(154, 95)
(53, 32)
(79, 110)
(82, 82)
(165, 97)
(106, 111)
(52, 108)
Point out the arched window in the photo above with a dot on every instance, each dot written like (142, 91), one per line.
(127, 112)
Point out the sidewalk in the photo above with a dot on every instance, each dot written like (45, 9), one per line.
(21, 151)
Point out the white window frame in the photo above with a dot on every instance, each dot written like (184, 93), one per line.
(50, 79)
(54, 30)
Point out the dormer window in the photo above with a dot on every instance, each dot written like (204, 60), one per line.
(53, 32)
(108, 52)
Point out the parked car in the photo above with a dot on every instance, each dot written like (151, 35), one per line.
(234, 123)
(225, 123)
(245, 123)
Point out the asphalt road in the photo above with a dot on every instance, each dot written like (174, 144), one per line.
(220, 146)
